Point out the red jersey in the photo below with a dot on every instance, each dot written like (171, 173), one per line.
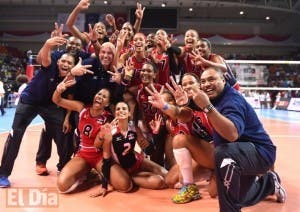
(128, 48)
(163, 75)
(147, 109)
(90, 48)
(136, 79)
(188, 64)
(200, 127)
(89, 126)
(174, 127)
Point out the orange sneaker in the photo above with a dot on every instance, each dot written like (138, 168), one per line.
(40, 169)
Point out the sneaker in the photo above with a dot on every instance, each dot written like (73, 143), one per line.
(4, 182)
(40, 169)
(279, 191)
(187, 194)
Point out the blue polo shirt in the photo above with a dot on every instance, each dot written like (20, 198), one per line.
(234, 106)
(40, 89)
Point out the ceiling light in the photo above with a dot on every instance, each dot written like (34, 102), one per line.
(268, 18)
(191, 9)
(241, 12)
(163, 4)
(105, 2)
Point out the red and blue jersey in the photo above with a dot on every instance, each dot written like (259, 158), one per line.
(89, 126)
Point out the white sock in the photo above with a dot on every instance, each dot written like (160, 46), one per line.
(184, 160)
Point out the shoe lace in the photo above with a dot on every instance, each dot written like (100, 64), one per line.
(183, 189)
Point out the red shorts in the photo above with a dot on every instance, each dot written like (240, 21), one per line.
(139, 159)
(91, 157)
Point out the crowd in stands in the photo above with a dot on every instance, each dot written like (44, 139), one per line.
(12, 64)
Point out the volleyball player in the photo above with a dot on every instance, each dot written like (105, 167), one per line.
(90, 121)
(195, 143)
(147, 75)
(122, 138)
(206, 58)
(99, 28)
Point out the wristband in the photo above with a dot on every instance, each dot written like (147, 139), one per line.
(166, 107)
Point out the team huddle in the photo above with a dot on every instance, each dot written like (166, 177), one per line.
(102, 96)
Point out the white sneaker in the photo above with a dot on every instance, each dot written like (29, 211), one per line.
(279, 191)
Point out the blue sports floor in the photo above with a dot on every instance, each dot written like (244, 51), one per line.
(282, 115)
(7, 120)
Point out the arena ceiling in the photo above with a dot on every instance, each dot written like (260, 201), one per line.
(289, 5)
(210, 16)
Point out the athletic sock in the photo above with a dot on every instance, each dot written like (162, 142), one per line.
(184, 160)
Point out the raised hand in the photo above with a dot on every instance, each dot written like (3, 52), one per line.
(128, 70)
(139, 12)
(93, 35)
(200, 97)
(55, 41)
(115, 76)
(155, 97)
(172, 40)
(80, 69)
(198, 59)
(121, 37)
(83, 4)
(156, 123)
(105, 130)
(103, 135)
(57, 32)
(179, 94)
(66, 83)
(110, 19)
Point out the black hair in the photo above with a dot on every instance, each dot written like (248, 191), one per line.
(22, 78)
(206, 41)
(155, 67)
(193, 75)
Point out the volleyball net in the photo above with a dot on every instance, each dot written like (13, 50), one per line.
(269, 83)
